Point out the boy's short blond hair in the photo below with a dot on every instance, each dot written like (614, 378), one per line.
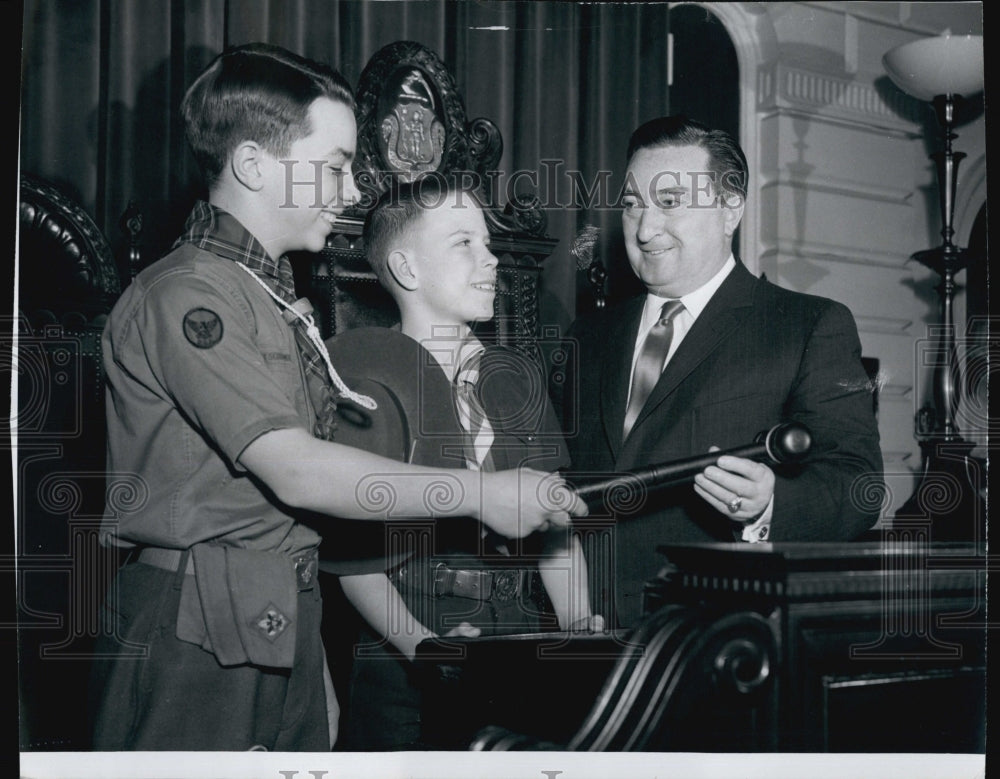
(398, 208)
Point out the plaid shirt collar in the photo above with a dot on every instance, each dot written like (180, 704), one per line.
(217, 231)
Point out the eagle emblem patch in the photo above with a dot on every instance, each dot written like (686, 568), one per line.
(202, 328)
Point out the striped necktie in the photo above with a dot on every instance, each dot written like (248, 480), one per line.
(479, 431)
(649, 366)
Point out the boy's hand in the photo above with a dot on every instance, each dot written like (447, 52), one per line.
(592, 624)
(464, 630)
(516, 503)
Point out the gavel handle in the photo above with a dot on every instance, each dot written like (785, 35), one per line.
(787, 442)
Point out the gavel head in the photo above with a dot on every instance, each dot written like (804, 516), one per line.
(788, 442)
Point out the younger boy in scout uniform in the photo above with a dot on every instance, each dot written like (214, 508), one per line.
(480, 405)
(216, 386)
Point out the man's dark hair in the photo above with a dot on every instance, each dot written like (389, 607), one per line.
(725, 157)
(399, 206)
(255, 92)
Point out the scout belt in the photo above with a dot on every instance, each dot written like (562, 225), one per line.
(483, 584)
(306, 564)
(242, 605)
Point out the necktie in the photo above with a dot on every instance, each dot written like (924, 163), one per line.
(649, 366)
(479, 432)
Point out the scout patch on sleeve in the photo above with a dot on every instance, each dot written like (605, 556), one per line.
(202, 327)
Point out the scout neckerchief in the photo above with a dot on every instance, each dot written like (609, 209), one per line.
(212, 229)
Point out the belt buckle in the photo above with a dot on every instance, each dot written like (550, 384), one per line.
(438, 584)
(506, 585)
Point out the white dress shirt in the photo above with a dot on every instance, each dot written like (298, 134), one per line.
(694, 303)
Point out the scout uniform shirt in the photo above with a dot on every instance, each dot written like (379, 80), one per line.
(199, 363)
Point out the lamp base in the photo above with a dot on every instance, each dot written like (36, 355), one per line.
(943, 259)
(950, 491)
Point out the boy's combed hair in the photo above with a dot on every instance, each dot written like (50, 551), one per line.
(398, 207)
(256, 92)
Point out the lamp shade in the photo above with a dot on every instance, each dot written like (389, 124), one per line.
(944, 65)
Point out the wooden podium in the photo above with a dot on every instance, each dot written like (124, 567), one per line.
(865, 647)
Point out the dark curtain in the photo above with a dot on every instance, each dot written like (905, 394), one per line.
(565, 82)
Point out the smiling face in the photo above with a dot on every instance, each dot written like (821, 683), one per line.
(312, 184)
(453, 271)
(678, 232)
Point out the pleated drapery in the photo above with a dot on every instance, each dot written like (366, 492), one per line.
(565, 82)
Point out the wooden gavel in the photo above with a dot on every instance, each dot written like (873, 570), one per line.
(784, 443)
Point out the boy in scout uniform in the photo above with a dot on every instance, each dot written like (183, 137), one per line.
(217, 386)
(478, 405)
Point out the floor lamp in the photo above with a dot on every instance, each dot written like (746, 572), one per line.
(944, 70)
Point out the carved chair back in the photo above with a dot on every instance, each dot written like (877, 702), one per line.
(67, 285)
(412, 122)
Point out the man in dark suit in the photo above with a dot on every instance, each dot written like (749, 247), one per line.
(710, 357)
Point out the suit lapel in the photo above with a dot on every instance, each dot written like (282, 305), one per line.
(617, 370)
(723, 313)
(438, 425)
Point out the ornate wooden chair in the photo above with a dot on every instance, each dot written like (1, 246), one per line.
(68, 282)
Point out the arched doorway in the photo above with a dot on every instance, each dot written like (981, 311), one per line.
(705, 77)
(704, 85)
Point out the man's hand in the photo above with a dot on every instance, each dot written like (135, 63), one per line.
(735, 482)
(516, 503)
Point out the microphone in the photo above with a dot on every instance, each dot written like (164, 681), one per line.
(787, 442)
